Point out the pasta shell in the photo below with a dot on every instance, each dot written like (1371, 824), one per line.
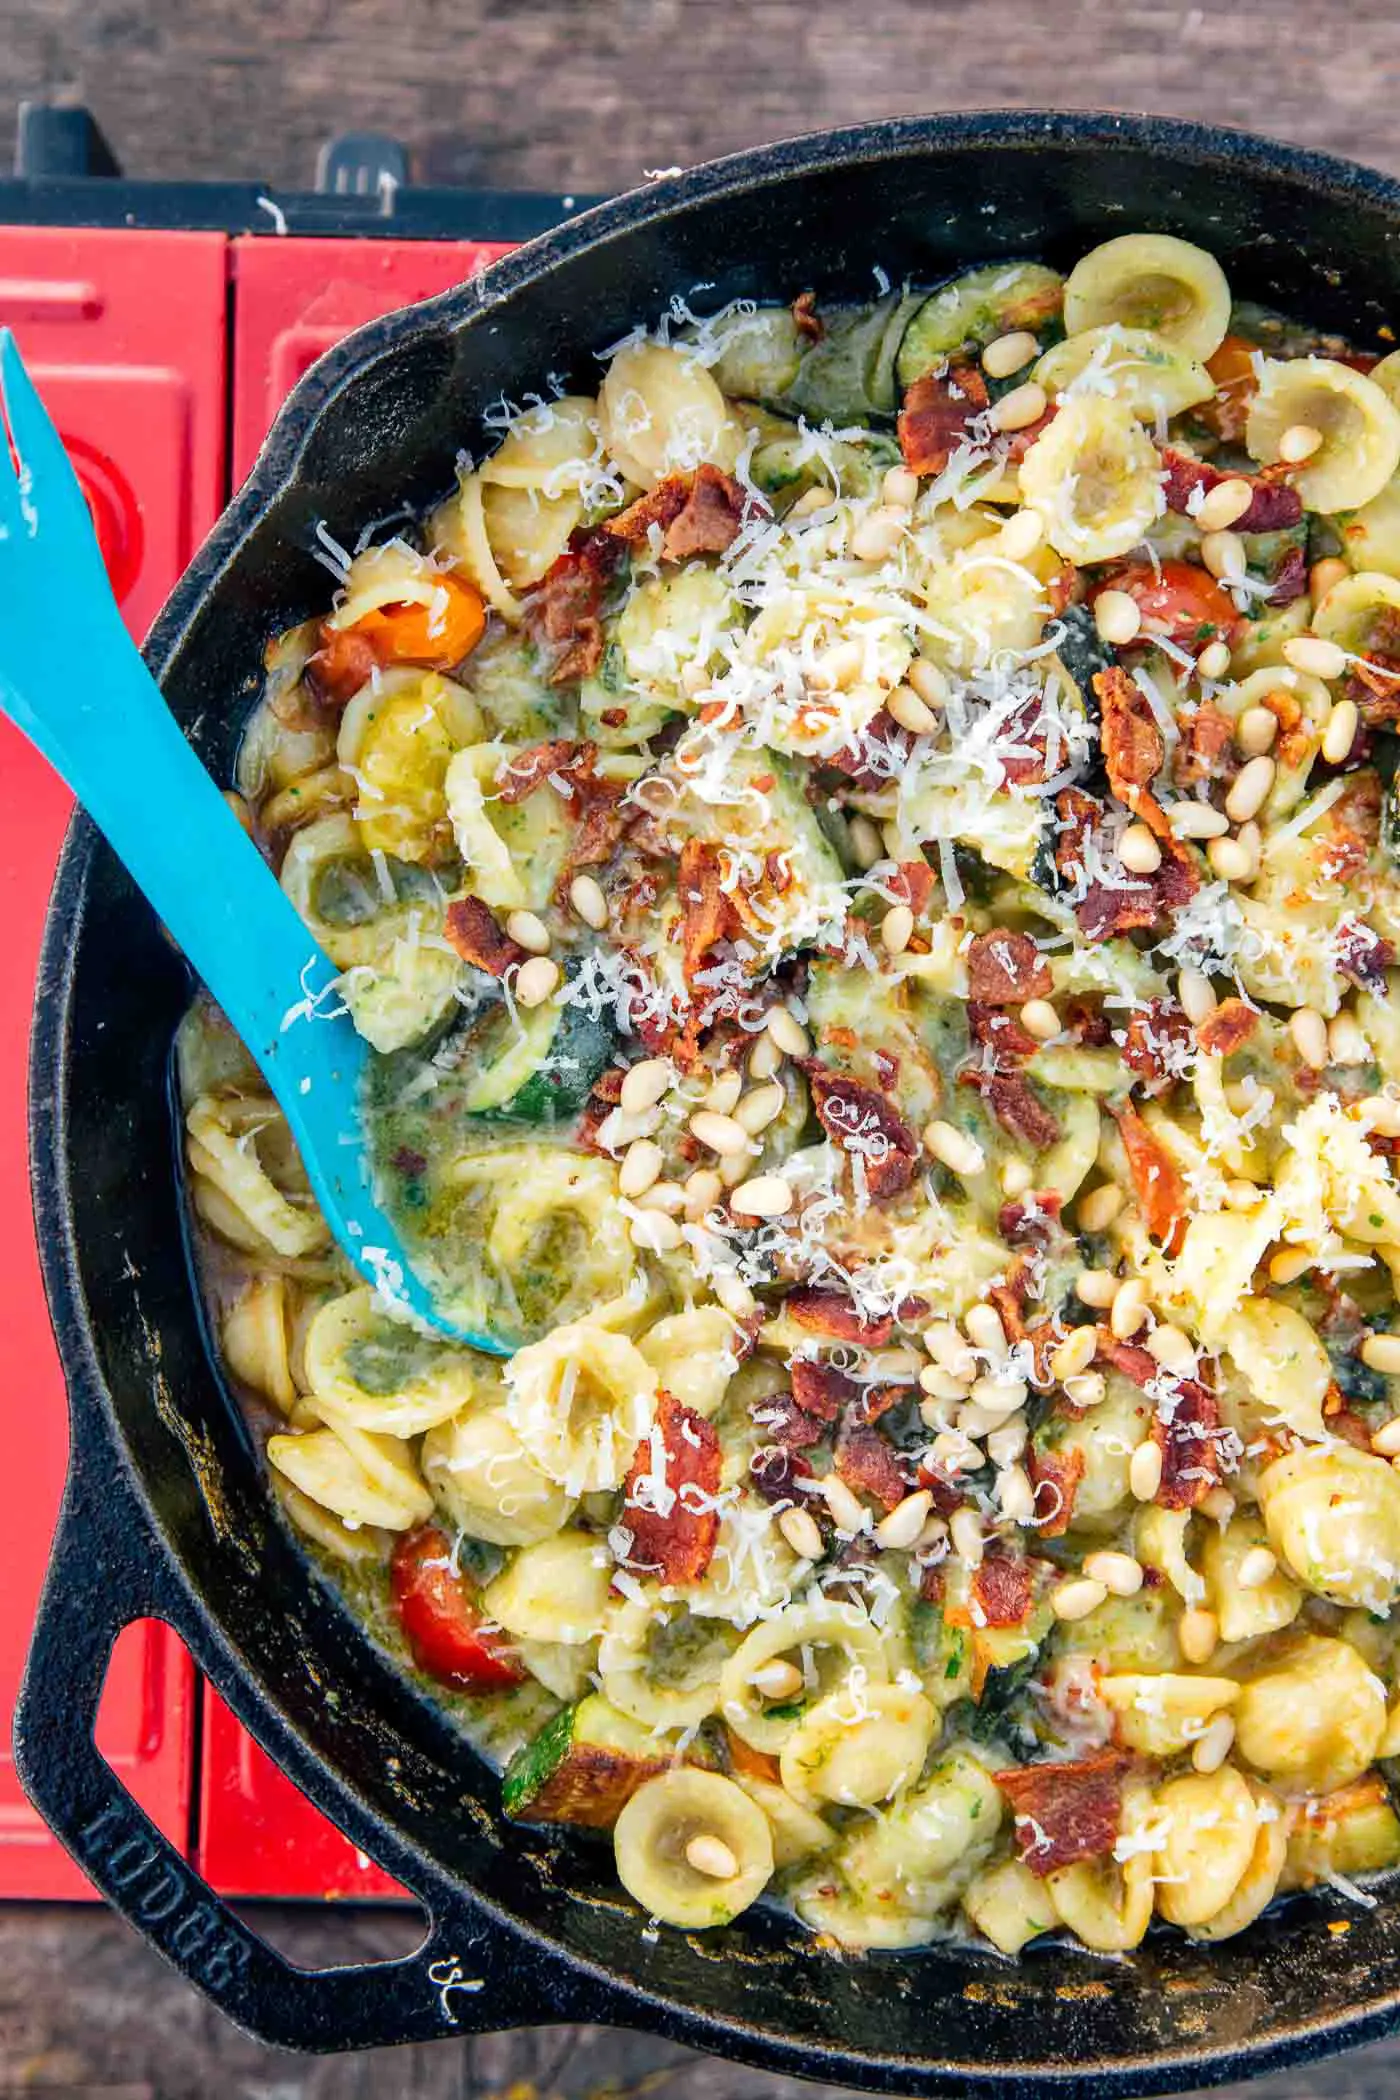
(1360, 427)
(1150, 375)
(1153, 281)
(1094, 479)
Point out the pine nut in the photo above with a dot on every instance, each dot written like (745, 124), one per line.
(711, 1856)
(897, 929)
(765, 1058)
(644, 1084)
(1287, 1267)
(760, 1107)
(1231, 861)
(878, 533)
(719, 1133)
(734, 1295)
(965, 1530)
(838, 667)
(1218, 1504)
(1212, 1746)
(1129, 1309)
(1325, 575)
(1381, 1352)
(1039, 1018)
(1256, 1568)
(1007, 1441)
(1255, 731)
(654, 1233)
(641, 1166)
(1119, 1573)
(898, 1531)
(1015, 1495)
(1223, 555)
(1197, 820)
(779, 1679)
(1250, 789)
(703, 1190)
(928, 681)
(587, 897)
(1340, 732)
(1117, 618)
(1006, 354)
(1381, 1113)
(1139, 851)
(911, 712)
(788, 1033)
(734, 1168)
(1346, 1041)
(1096, 1287)
(1198, 1634)
(800, 1528)
(1076, 1598)
(949, 1349)
(1076, 1352)
(1197, 996)
(900, 489)
(722, 1093)
(953, 1451)
(1145, 1470)
(954, 1149)
(1386, 1440)
(766, 1196)
(1311, 653)
(848, 1512)
(1021, 535)
(1309, 1033)
(985, 1329)
(940, 1385)
(667, 1196)
(1241, 1195)
(1016, 1177)
(811, 501)
(1020, 408)
(1224, 505)
(1086, 1389)
(1299, 442)
(536, 981)
(1213, 663)
(1173, 1349)
(528, 931)
(999, 1397)
(867, 847)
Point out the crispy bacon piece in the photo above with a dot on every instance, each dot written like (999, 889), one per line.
(707, 911)
(698, 513)
(528, 768)
(867, 1462)
(565, 606)
(775, 1471)
(937, 410)
(1363, 956)
(1158, 1185)
(678, 1537)
(344, 662)
(607, 1092)
(806, 319)
(1016, 1106)
(1157, 1034)
(1207, 747)
(477, 938)
(1104, 911)
(1003, 1588)
(865, 1123)
(1060, 1473)
(1006, 969)
(912, 883)
(1228, 1028)
(1290, 578)
(1066, 1812)
(1030, 1221)
(832, 1313)
(1134, 748)
(571, 769)
(854, 760)
(1184, 1426)
(1274, 508)
(1232, 369)
(821, 1390)
(992, 1028)
(781, 1421)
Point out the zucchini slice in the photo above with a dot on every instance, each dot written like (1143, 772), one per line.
(849, 375)
(965, 314)
(583, 1767)
(544, 1071)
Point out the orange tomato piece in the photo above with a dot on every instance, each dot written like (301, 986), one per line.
(1232, 369)
(436, 637)
(1181, 603)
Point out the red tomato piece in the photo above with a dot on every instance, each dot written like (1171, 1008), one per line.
(441, 1621)
(1182, 604)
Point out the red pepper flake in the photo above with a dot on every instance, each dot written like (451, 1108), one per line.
(934, 419)
(677, 1538)
(471, 928)
(1066, 1812)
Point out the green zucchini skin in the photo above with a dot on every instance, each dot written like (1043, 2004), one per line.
(580, 1051)
(849, 376)
(583, 1767)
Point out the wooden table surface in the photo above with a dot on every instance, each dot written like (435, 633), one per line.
(568, 95)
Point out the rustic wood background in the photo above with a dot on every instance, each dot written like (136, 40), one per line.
(575, 95)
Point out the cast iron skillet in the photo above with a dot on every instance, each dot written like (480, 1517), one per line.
(166, 1513)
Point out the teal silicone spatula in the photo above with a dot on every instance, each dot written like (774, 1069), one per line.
(74, 682)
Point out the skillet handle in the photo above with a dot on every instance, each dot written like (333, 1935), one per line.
(470, 1975)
